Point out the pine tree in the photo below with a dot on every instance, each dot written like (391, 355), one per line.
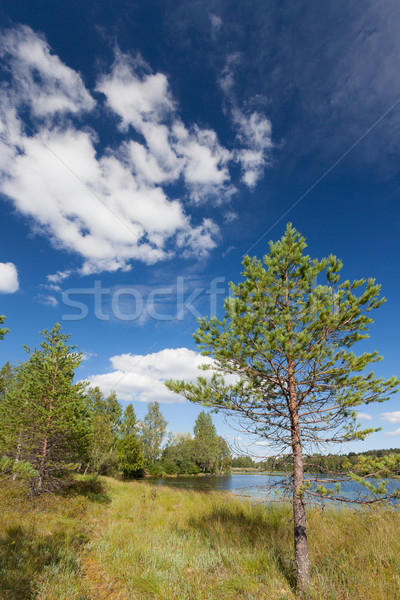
(6, 378)
(9, 467)
(3, 330)
(45, 414)
(287, 336)
(129, 448)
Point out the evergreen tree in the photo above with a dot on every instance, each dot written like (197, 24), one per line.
(129, 448)
(129, 422)
(3, 330)
(153, 430)
(287, 336)
(6, 378)
(9, 467)
(207, 443)
(45, 415)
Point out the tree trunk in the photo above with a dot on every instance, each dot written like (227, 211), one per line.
(42, 467)
(299, 510)
(43, 460)
(18, 454)
(299, 520)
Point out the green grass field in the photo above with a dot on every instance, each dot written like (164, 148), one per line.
(118, 541)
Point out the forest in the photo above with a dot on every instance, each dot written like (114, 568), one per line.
(52, 427)
(329, 463)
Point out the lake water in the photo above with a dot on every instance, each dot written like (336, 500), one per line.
(257, 486)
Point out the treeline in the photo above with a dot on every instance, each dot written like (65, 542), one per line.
(328, 463)
(50, 426)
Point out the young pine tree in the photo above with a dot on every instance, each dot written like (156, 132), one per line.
(129, 447)
(287, 336)
(45, 415)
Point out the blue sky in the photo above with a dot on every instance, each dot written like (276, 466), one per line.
(146, 147)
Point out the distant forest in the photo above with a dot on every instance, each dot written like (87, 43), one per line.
(330, 463)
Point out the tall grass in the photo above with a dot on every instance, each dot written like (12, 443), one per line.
(167, 544)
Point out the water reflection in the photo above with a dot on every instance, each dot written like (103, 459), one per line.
(259, 486)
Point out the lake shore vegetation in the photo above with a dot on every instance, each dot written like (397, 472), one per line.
(107, 539)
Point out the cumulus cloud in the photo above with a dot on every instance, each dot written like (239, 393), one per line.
(364, 416)
(143, 100)
(114, 205)
(392, 417)
(141, 377)
(393, 433)
(8, 278)
(58, 277)
(41, 81)
(47, 300)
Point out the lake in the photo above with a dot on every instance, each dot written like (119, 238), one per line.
(253, 485)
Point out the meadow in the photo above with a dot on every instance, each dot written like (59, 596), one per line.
(107, 539)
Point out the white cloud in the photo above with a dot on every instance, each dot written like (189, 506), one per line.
(393, 433)
(110, 206)
(144, 101)
(8, 278)
(58, 277)
(216, 23)
(261, 443)
(364, 416)
(253, 129)
(88, 355)
(254, 132)
(47, 300)
(141, 377)
(135, 94)
(392, 417)
(40, 80)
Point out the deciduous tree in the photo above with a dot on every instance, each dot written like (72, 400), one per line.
(153, 430)
(207, 444)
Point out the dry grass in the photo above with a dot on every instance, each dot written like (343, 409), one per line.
(167, 544)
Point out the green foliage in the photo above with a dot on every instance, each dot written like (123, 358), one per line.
(206, 452)
(6, 378)
(130, 456)
(207, 443)
(129, 446)
(153, 430)
(286, 336)
(244, 462)
(106, 415)
(180, 457)
(11, 469)
(3, 330)
(44, 416)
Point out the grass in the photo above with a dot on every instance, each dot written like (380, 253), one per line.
(137, 541)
